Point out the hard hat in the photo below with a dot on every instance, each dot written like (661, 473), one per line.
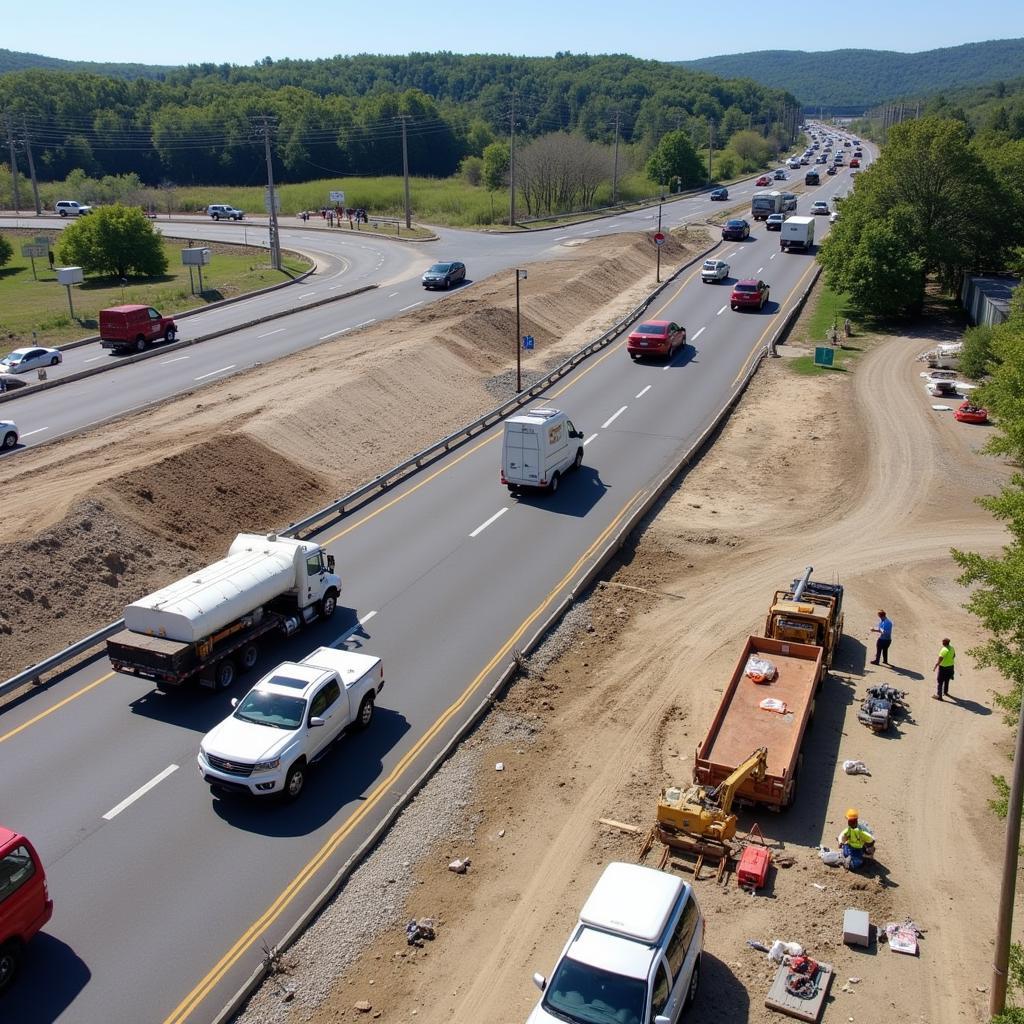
(851, 814)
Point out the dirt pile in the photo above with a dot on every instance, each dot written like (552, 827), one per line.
(163, 491)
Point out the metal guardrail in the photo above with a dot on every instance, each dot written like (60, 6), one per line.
(34, 673)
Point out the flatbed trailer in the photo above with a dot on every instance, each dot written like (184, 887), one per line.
(741, 725)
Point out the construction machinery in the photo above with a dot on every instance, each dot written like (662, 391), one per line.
(705, 812)
(809, 612)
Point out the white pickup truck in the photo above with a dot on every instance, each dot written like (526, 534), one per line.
(289, 720)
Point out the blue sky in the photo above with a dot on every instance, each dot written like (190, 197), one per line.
(194, 31)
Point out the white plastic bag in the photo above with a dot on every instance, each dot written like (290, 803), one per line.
(833, 858)
(855, 768)
(760, 670)
(782, 949)
(773, 704)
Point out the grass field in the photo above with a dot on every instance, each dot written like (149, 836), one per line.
(41, 306)
(830, 308)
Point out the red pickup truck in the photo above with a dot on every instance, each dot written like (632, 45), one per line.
(134, 327)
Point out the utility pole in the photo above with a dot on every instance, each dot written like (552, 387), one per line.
(405, 171)
(615, 163)
(31, 168)
(711, 144)
(14, 166)
(1001, 957)
(512, 162)
(266, 126)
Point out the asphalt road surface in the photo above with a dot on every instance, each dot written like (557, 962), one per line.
(164, 896)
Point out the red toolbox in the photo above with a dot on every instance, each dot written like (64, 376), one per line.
(752, 872)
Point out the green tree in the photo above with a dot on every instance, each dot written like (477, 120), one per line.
(496, 164)
(117, 240)
(977, 351)
(6, 251)
(675, 157)
(471, 170)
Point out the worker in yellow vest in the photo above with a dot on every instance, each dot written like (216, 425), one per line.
(855, 842)
(944, 669)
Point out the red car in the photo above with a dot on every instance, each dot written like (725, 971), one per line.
(25, 904)
(749, 294)
(855, 162)
(763, 180)
(968, 412)
(656, 338)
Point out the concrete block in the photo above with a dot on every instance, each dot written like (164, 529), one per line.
(856, 928)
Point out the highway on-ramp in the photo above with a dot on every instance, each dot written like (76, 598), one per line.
(165, 896)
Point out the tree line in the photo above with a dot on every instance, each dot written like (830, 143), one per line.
(204, 124)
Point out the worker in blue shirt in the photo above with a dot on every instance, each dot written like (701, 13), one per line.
(884, 631)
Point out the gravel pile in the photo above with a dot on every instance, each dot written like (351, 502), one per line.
(576, 620)
(503, 385)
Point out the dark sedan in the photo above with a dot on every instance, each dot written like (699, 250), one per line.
(444, 275)
(736, 230)
(719, 193)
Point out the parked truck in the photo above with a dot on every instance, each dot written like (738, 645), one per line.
(741, 724)
(808, 612)
(797, 233)
(211, 623)
(762, 204)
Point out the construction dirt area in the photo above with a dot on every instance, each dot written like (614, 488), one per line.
(851, 472)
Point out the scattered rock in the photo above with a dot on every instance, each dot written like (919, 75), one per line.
(363, 1006)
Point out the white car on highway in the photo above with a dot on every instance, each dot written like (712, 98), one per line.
(22, 360)
(714, 270)
(8, 434)
(289, 720)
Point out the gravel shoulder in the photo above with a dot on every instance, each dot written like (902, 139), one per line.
(856, 483)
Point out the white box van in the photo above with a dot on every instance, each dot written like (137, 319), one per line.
(634, 955)
(539, 447)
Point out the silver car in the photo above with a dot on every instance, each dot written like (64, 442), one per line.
(714, 270)
(22, 360)
(8, 434)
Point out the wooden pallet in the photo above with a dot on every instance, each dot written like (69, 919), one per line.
(793, 1006)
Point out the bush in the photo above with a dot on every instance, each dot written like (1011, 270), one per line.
(471, 170)
(6, 251)
(116, 240)
(977, 351)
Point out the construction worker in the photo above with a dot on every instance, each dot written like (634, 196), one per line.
(853, 841)
(944, 666)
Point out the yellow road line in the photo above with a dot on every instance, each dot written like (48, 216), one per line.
(56, 707)
(188, 1005)
(771, 327)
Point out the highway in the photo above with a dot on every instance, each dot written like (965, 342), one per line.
(164, 895)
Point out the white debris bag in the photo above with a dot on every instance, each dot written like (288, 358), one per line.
(833, 858)
(781, 949)
(760, 670)
(773, 704)
(855, 768)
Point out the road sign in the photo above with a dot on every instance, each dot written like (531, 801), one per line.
(824, 356)
(659, 238)
(34, 251)
(42, 240)
(337, 197)
(528, 341)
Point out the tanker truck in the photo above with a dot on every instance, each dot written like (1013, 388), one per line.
(210, 624)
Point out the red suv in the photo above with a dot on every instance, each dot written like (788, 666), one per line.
(25, 904)
(656, 338)
(749, 294)
(134, 327)
(763, 180)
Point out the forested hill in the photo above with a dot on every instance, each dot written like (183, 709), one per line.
(862, 78)
(343, 115)
(13, 60)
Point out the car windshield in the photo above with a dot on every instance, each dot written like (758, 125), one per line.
(746, 287)
(650, 329)
(579, 992)
(710, 265)
(277, 710)
(734, 224)
(439, 268)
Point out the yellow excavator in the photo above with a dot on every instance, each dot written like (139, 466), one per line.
(703, 813)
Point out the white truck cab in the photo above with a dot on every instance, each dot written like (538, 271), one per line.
(538, 449)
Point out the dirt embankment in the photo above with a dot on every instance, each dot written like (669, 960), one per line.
(95, 521)
(855, 483)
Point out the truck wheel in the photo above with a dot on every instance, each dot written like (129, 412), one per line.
(328, 604)
(140, 344)
(553, 486)
(224, 675)
(365, 716)
(295, 780)
(250, 655)
(10, 959)
(170, 334)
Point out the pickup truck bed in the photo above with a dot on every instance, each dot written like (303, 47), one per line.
(740, 725)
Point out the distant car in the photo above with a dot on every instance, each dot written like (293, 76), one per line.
(855, 162)
(774, 221)
(656, 338)
(749, 294)
(219, 211)
(22, 360)
(780, 174)
(832, 169)
(8, 435)
(714, 270)
(763, 180)
(812, 178)
(857, 153)
(8, 382)
(719, 194)
(736, 230)
(69, 208)
(968, 412)
(847, 144)
(788, 201)
(822, 159)
(819, 206)
(444, 275)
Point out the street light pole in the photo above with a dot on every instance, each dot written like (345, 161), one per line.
(520, 275)
(657, 276)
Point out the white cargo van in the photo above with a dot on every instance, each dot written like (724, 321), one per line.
(539, 447)
(633, 956)
(797, 233)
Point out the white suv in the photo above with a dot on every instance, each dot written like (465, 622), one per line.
(218, 210)
(634, 955)
(714, 270)
(69, 208)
